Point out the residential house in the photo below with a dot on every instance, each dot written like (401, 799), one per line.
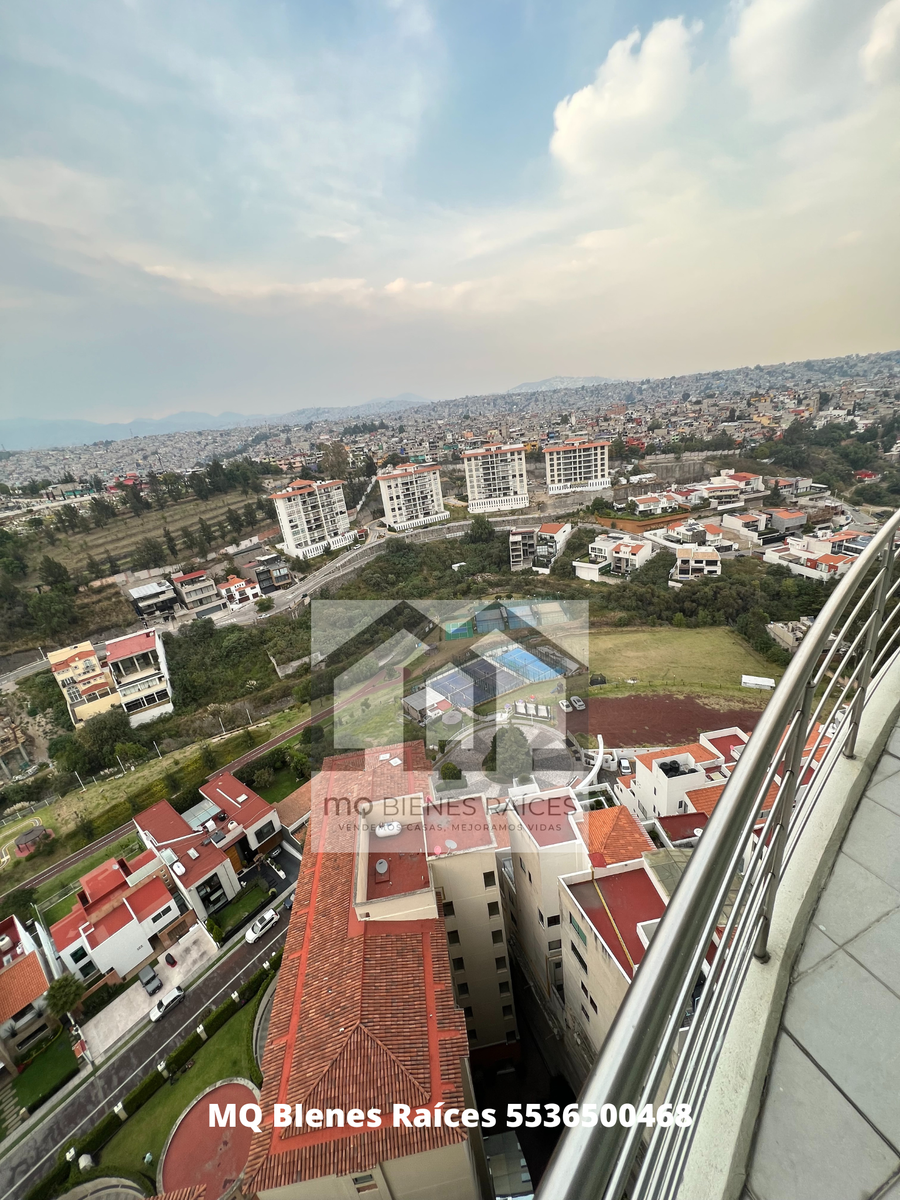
(522, 547)
(25, 975)
(695, 562)
(549, 543)
(124, 916)
(138, 665)
(156, 599)
(86, 683)
(615, 554)
(207, 846)
(270, 573)
(237, 592)
(197, 593)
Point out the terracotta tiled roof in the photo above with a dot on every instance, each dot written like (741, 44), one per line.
(364, 1013)
(295, 806)
(705, 799)
(21, 983)
(189, 1193)
(614, 836)
(133, 643)
(697, 752)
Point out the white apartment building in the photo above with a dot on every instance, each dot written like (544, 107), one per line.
(313, 517)
(411, 496)
(577, 466)
(495, 478)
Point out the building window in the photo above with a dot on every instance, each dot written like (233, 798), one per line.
(493, 909)
(553, 920)
(507, 1010)
(490, 879)
(87, 970)
(78, 954)
(581, 961)
(459, 964)
(510, 1035)
(585, 1013)
(578, 929)
(462, 989)
(529, 877)
(472, 1034)
(521, 864)
(504, 988)
(162, 914)
(264, 832)
(584, 989)
(497, 937)
(468, 1011)
(448, 909)
(593, 1003)
(513, 918)
(556, 944)
(453, 937)
(500, 963)
(540, 917)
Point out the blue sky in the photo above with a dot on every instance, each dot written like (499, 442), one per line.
(260, 206)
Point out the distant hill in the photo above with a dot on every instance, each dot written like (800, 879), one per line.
(34, 433)
(560, 381)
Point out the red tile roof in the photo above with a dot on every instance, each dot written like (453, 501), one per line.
(166, 825)
(698, 753)
(295, 806)
(237, 800)
(364, 1013)
(134, 643)
(614, 836)
(21, 983)
(106, 926)
(65, 931)
(149, 898)
(103, 880)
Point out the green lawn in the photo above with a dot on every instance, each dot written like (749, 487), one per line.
(249, 899)
(49, 1071)
(285, 783)
(226, 1054)
(698, 661)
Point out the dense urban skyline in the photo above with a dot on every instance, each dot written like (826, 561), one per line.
(222, 208)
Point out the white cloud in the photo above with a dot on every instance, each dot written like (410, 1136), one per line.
(639, 90)
(880, 56)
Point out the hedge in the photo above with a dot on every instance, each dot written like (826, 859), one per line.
(141, 1094)
(51, 1185)
(185, 1052)
(103, 1131)
(223, 1013)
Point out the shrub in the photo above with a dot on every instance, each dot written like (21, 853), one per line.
(104, 1131)
(184, 1053)
(141, 1094)
(450, 770)
(219, 1016)
(52, 1184)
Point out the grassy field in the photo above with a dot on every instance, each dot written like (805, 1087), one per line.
(225, 1055)
(285, 783)
(245, 902)
(124, 531)
(695, 661)
(51, 1067)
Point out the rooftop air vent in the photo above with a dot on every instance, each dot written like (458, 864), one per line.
(192, 853)
(388, 829)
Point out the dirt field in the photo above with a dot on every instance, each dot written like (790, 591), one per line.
(659, 720)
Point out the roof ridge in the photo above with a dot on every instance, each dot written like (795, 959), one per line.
(359, 1031)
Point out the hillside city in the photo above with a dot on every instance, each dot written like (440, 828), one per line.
(355, 762)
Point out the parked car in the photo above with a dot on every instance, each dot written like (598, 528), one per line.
(260, 925)
(624, 766)
(168, 1001)
(577, 703)
(565, 706)
(151, 981)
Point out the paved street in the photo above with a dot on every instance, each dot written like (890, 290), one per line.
(35, 1154)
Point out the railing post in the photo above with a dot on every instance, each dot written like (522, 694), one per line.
(878, 603)
(793, 761)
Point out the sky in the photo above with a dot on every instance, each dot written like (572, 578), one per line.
(222, 205)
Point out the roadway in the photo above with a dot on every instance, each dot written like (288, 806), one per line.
(29, 1159)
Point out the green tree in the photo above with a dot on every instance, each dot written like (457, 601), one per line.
(18, 903)
(51, 612)
(480, 531)
(265, 604)
(171, 543)
(450, 770)
(64, 994)
(53, 573)
(335, 462)
(149, 552)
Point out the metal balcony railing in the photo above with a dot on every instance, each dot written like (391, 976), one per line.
(812, 717)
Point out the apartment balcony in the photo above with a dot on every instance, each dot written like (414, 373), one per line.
(789, 1058)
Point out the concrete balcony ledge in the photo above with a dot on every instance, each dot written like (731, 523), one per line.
(803, 1104)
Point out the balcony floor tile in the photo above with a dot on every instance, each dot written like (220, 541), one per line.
(849, 1023)
(878, 950)
(874, 841)
(812, 1144)
(853, 900)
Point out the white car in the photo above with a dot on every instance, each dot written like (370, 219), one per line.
(169, 1000)
(260, 925)
(565, 706)
(577, 703)
(624, 766)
